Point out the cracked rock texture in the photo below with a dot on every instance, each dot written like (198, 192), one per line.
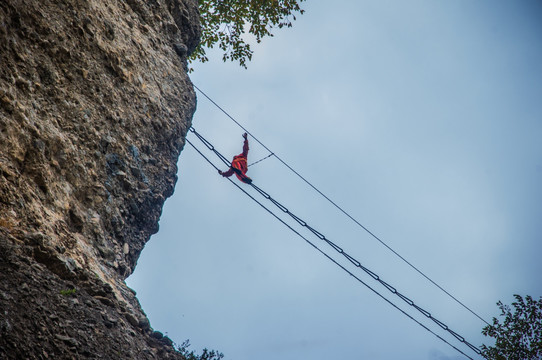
(95, 103)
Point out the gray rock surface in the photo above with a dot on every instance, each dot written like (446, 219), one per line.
(95, 103)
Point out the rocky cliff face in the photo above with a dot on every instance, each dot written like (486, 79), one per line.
(95, 103)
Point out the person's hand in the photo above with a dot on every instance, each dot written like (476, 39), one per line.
(220, 172)
(245, 135)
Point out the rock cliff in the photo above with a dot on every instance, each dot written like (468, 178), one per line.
(95, 103)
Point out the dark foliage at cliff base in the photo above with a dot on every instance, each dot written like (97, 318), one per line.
(205, 355)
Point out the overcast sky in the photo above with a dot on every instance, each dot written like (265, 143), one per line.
(423, 120)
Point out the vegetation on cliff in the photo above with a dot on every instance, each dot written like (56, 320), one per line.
(225, 22)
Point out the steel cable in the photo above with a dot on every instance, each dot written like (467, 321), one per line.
(331, 259)
(343, 211)
(372, 274)
(339, 250)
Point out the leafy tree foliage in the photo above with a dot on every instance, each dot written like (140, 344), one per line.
(190, 355)
(225, 21)
(519, 336)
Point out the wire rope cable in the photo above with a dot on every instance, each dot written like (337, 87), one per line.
(262, 159)
(347, 256)
(344, 211)
(330, 258)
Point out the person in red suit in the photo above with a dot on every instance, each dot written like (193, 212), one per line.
(239, 165)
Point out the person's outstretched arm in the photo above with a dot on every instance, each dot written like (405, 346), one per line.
(245, 146)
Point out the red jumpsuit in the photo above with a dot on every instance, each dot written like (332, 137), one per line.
(239, 165)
